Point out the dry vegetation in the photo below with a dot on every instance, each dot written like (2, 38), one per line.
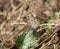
(29, 24)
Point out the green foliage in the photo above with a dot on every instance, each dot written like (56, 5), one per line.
(52, 18)
(42, 24)
(20, 39)
(34, 33)
(48, 30)
(30, 40)
(27, 41)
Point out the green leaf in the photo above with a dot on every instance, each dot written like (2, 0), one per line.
(52, 18)
(34, 33)
(30, 40)
(48, 31)
(19, 40)
(41, 22)
(50, 21)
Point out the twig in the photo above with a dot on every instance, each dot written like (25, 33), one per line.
(46, 39)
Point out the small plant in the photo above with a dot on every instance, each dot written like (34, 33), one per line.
(47, 25)
(27, 41)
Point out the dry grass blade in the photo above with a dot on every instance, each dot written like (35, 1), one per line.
(47, 38)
